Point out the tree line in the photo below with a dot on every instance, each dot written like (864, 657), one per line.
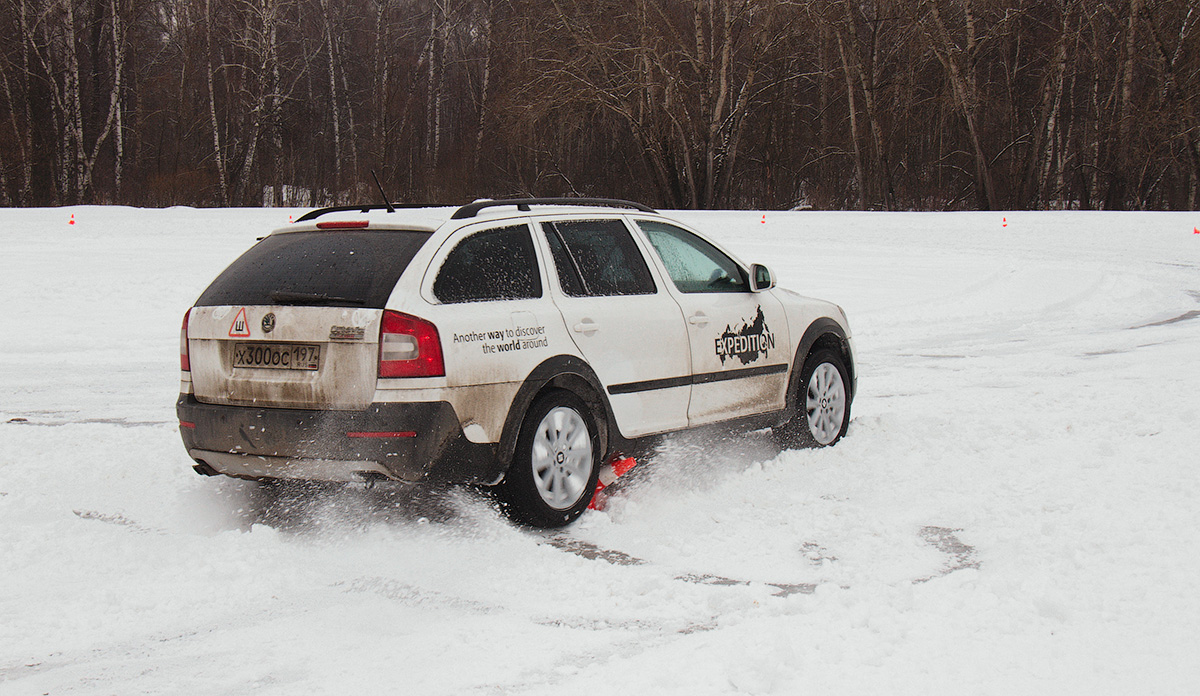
(856, 104)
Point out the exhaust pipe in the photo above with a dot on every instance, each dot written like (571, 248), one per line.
(201, 467)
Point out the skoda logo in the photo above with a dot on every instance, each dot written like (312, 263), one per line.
(268, 323)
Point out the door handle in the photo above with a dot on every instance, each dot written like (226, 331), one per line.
(587, 326)
(698, 319)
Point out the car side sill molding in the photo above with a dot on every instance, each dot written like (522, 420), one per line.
(703, 378)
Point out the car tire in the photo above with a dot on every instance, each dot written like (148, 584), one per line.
(556, 463)
(821, 405)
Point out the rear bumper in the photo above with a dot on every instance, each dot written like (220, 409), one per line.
(401, 441)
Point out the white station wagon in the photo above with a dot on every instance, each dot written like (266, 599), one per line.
(518, 344)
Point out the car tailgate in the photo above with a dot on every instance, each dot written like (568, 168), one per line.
(284, 356)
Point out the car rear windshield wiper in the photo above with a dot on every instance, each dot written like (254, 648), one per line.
(290, 297)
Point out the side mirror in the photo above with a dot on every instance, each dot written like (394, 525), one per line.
(761, 278)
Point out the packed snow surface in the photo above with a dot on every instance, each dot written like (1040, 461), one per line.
(1015, 509)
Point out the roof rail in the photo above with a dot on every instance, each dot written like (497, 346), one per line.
(470, 210)
(314, 214)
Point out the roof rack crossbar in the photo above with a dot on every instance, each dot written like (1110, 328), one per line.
(470, 210)
(314, 214)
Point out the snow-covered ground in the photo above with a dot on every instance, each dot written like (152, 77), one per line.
(1015, 510)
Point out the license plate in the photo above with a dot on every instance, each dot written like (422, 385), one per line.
(277, 356)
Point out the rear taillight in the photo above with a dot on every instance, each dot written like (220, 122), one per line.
(409, 347)
(185, 362)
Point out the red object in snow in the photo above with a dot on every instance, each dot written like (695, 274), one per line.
(617, 467)
(622, 466)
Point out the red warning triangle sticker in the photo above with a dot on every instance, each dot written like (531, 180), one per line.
(240, 327)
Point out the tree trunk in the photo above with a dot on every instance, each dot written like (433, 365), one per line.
(737, 118)
(26, 194)
(334, 101)
(485, 81)
(350, 127)
(74, 99)
(1135, 8)
(437, 56)
(5, 197)
(825, 69)
(275, 104)
(868, 88)
(380, 84)
(1040, 162)
(1052, 151)
(210, 74)
(859, 175)
(118, 92)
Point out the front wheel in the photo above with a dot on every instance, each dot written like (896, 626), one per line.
(556, 463)
(822, 406)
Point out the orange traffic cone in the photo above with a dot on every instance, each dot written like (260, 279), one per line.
(617, 467)
(72, 220)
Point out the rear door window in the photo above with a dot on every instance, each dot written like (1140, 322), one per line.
(596, 258)
(496, 264)
(332, 269)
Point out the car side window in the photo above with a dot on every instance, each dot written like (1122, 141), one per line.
(597, 257)
(497, 264)
(693, 264)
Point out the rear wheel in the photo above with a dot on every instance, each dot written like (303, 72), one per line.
(556, 463)
(822, 406)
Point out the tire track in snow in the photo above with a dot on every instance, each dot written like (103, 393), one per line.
(960, 556)
(117, 519)
(134, 650)
(1174, 320)
(120, 422)
(944, 539)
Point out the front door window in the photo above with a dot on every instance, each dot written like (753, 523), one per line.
(695, 266)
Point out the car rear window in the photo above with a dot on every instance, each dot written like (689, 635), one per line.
(331, 269)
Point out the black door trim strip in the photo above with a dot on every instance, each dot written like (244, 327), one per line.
(705, 378)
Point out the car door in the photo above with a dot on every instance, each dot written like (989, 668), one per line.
(740, 345)
(627, 327)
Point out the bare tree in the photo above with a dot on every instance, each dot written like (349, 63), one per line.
(957, 49)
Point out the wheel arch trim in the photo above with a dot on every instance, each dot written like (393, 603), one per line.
(566, 372)
(814, 336)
